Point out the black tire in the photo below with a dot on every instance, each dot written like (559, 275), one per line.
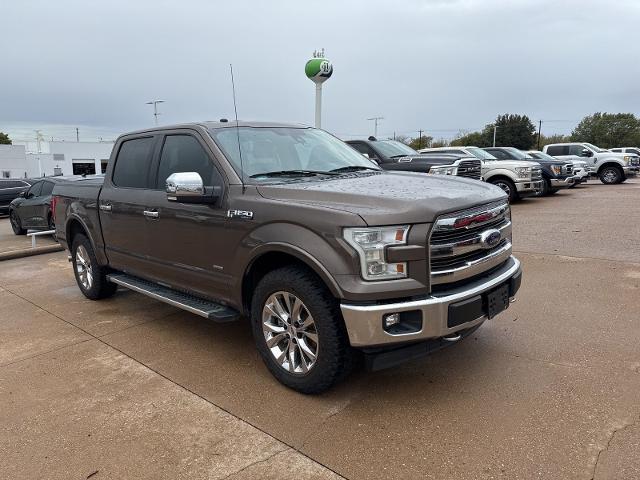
(16, 224)
(611, 175)
(507, 187)
(545, 189)
(98, 287)
(553, 191)
(334, 358)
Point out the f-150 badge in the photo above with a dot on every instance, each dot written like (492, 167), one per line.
(244, 214)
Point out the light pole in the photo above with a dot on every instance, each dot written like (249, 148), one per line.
(155, 108)
(495, 127)
(375, 125)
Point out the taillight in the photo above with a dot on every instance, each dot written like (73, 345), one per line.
(54, 201)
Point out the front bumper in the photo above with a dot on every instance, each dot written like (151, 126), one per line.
(563, 182)
(364, 323)
(631, 171)
(528, 187)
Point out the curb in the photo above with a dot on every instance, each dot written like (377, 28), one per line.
(28, 252)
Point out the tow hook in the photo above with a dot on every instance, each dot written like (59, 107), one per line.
(453, 337)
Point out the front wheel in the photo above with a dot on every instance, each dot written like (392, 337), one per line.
(507, 187)
(90, 275)
(298, 330)
(16, 224)
(611, 175)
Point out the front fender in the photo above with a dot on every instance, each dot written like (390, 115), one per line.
(503, 172)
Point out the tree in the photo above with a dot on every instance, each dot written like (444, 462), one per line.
(608, 130)
(420, 142)
(4, 139)
(471, 139)
(402, 139)
(555, 138)
(442, 142)
(513, 131)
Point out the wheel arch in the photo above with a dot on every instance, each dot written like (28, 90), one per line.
(74, 226)
(609, 163)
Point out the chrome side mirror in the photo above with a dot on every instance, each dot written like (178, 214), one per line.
(186, 187)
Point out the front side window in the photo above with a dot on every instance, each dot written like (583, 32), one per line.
(47, 189)
(575, 150)
(35, 190)
(393, 148)
(499, 154)
(276, 149)
(183, 153)
(132, 164)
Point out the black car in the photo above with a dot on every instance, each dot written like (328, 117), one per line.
(394, 155)
(32, 209)
(10, 189)
(556, 174)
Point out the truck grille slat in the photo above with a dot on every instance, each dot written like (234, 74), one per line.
(470, 169)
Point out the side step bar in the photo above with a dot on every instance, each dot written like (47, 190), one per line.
(204, 308)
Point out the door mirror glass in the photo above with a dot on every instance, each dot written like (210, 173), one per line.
(187, 187)
(586, 153)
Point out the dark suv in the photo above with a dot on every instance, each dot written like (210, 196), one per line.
(394, 155)
(31, 210)
(10, 189)
(556, 174)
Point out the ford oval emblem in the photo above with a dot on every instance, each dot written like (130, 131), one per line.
(490, 238)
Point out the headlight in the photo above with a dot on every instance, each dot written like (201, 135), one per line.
(556, 169)
(370, 244)
(523, 172)
(443, 170)
(627, 159)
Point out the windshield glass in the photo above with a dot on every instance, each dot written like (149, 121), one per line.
(392, 148)
(481, 154)
(594, 148)
(275, 149)
(518, 154)
(542, 156)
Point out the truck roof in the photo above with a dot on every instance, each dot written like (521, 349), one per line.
(210, 124)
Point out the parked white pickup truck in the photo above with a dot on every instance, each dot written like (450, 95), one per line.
(517, 178)
(610, 167)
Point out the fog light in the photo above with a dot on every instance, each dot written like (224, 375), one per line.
(390, 320)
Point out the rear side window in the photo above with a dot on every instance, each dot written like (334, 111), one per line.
(556, 150)
(11, 184)
(47, 188)
(619, 150)
(183, 153)
(132, 164)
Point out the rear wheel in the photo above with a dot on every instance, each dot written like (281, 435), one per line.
(90, 275)
(507, 186)
(298, 330)
(611, 175)
(16, 224)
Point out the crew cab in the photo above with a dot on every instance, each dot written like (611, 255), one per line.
(610, 167)
(394, 155)
(518, 178)
(327, 255)
(556, 174)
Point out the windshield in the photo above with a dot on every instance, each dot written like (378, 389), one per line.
(542, 156)
(594, 148)
(518, 154)
(393, 148)
(277, 149)
(481, 154)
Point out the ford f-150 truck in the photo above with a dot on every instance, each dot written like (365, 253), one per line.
(327, 255)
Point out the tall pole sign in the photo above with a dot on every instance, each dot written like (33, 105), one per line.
(318, 70)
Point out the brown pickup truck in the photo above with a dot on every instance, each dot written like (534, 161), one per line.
(328, 256)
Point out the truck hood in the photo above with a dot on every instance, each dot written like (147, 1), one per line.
(509, 163)
(388, 198)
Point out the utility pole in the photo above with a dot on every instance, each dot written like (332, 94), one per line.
(77, 134)
(375, 125)
(495, 127)
(155, 108)
(419, 139)
(539, 130)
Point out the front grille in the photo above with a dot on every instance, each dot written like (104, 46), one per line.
(470, 242)
(635, 161)
(536, 174)
(470, 169)
(567, 169)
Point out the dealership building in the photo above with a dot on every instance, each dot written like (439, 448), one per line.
(45, 159)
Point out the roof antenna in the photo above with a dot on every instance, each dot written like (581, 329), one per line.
(235, 108)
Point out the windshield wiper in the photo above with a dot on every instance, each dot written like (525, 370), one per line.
(352, 168)
(292, 173)
(401, 155)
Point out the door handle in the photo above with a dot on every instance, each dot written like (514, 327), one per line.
(106, 207)
(150, 214)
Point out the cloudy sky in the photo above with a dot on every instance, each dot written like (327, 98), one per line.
(436, 65)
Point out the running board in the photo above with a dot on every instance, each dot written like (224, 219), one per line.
(204, 308)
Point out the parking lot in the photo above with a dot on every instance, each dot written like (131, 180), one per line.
(132, 388)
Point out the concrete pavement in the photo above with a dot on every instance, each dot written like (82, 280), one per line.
(132, 388)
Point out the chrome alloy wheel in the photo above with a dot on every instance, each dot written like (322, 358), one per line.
(506, 188)
(610, 175)
(290, 332)
(83, 268)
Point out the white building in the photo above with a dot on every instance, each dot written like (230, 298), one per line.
(54, 158)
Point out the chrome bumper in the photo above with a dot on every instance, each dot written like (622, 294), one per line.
(631, 170)
(528, 186)
(563, 182)
(364, 322)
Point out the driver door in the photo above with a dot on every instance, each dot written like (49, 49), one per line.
(28, 207)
